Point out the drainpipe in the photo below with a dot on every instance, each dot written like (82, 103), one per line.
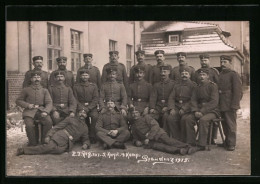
(30, 44)
(134, 42)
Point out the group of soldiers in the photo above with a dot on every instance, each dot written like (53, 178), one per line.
(157, 107)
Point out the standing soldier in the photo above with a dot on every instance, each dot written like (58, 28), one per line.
(204, 108)
(230, 94)
(87, 96)
(179, 103)
(175, 73)
(111, 127)
(94, 73)
(115, 90)
(69, 77)
(140, 58)
(37, 63)
(64, 102)
(155, 71)
(213, 76)
(121, 70)
(37, 104)
(161, 92)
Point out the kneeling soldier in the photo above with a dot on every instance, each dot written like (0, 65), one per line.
(111, 127)
(64, 102)
(146, 132)
(62, 137)
(87, 96)
(37, 103)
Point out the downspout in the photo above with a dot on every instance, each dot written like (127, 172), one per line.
(134, 42)
(30, 44)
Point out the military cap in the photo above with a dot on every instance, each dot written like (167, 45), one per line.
(111, 69)
(203, 70)
(225, 57)
(140, 51)
(186, 69)
(204, 56)
(36, 73)
(110, 99)
(37, 58)
(83, 71)
(61, 58)
(181, 54)
(165, 67)
(80, 109)
(87, 55)
(158, 52)
(133, 109)
(59, 73)
(139, 68)
(113, 52)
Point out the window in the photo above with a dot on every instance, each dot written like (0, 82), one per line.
(76, 50)
(112, 45)
(53, 45)
(128, 58)
(174, 39)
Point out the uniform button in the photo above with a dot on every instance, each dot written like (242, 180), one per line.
(220, 91)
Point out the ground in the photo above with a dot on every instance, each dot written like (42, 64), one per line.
(133, 161)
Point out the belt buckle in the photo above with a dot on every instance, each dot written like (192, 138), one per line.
(139, 99)
(86, 104)
(219, 91)
(163, 101)
(180, 101)
(36, 106)
(70, 137)
(61, 105)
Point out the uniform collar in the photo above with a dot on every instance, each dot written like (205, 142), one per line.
(37, 70)
(36, 86)
(158, 65)
(88, 66)
(166, 81)
(59, 85)
(84, 83)
(141, 63)
(113, 63)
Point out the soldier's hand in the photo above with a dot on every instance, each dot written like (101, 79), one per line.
(47, 139)
(72, 114)
(131, 106)
(85, 146)
(146, 141)
(165, 109)
(123, 112)
(181, 112)
(103, 110)
(146, 110)
(114, 133)
(172, 112)
(44, 114)
(152, 111)
(30, 106)
(138, 143)
(198, 114)
(56, 114)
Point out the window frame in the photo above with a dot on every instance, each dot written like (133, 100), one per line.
(75, 65)
(174, 42)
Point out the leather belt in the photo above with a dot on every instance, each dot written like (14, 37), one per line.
(60, 105)
(86, 104)
(221, 92)
(163, 101)
(67, 133)
(181, 101)
(140, 99)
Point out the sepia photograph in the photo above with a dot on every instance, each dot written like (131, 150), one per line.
(127, 98)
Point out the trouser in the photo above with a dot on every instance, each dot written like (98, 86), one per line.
(57, 120)
(203, 127)
(52, 147)
(168, 145)
(122, 137)
(229, 127)
(93, 114)
(160, 117)
(32, 130)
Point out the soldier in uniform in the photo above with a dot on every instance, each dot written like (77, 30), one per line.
(175, 73)
(155, 71)
(37, 63)
(121, 70)
(64, 102)
(62, 137)
(213, 76)
(204, 108)
(115, 90)
(147, 133)
(140, 55)
(161, 92)
(93, 70)
(69, 77)
(111, 127)
(179, 103)
(37, 104)
(230, 94)
(87, 96)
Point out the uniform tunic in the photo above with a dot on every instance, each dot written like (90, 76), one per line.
(176, 75)
(69, 78)
(44, 78)
(155, 74)
(147, 70)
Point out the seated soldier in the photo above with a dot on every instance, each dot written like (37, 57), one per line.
(64, 102)
(204, 108)
(146, 132)
(87, 96)
(115, 90)
(62, 137)
(111, 127)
